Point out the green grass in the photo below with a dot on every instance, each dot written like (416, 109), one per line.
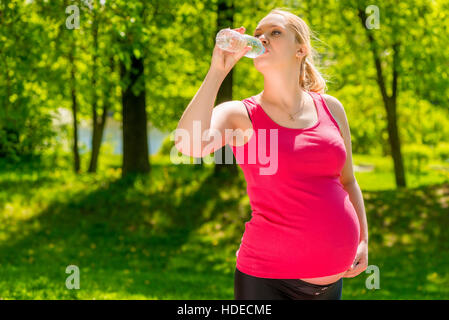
(174, 233)
(383, 178)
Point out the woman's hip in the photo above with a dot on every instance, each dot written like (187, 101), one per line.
(247, 287)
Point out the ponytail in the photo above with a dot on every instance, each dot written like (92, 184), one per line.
(310, 78)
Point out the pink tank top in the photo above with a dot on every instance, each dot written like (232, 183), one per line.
(303, 224)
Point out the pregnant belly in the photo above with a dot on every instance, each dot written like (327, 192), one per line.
(315, 244)
(317, 258)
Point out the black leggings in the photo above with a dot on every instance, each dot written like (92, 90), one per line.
(247, 287)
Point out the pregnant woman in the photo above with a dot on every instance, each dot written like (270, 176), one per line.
(308, 228)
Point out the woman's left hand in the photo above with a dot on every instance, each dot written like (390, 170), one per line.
(360, 262)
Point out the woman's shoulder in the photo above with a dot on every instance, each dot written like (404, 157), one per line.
(335, 107)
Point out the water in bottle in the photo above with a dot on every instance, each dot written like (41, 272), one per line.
(233, 41)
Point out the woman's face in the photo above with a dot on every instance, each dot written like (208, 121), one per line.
(279, 42)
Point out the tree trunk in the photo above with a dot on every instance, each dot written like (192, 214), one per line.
(393, 136)
(135, 139)
(76, 155)
(98, 124)
(97, 137)
(389, 101)
(225, 19)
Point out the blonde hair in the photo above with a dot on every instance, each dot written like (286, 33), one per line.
(310, 78)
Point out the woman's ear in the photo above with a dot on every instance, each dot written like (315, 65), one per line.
(300, 52)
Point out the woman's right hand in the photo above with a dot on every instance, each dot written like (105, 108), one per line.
(223, 61)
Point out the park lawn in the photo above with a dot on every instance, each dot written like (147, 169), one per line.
(174, 234)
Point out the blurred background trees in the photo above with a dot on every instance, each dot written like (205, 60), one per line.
(91, 92)
(141, 62)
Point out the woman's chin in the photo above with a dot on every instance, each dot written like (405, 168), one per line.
(263, 54)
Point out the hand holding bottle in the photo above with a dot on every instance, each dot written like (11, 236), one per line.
(223, 61)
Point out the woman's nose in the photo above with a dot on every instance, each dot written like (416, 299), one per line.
(263, 39)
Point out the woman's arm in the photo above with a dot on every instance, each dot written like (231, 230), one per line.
(356, 197)
(198, 114)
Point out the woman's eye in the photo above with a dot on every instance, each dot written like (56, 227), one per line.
(258, 35)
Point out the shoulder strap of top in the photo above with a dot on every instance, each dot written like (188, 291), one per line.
(326, 114)
(317, 101)
(250, 108)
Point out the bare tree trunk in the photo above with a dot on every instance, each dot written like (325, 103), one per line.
(76, 155)
(135, 138)
(98, 130)
(390, 102)
(98, 124)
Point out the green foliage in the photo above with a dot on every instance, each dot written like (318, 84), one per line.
(421, 122)
(366, 118)
(24, 131)
(166, 146)
(416, 157)
(442, 150)
(25, 121)
(36, 44)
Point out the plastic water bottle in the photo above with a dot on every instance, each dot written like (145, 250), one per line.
(233, 41)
